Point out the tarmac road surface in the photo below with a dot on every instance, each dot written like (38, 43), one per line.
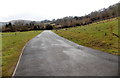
(51, 55)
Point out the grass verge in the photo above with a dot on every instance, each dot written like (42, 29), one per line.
(101, 35)
(12, 44)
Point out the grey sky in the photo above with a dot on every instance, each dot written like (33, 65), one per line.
(49, 9)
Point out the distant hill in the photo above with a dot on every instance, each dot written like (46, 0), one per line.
(19, 21)
(24, 21)
(3, 23)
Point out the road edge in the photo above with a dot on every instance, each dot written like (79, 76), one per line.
(21, 56)
(91, 50)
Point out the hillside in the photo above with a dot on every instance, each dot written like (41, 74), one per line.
(65, 22)
(101, 35)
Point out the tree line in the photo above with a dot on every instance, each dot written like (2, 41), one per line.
(66, 22)
(102, 14)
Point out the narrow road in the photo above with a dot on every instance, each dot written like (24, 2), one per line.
(51, 55)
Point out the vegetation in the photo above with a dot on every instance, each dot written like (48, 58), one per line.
(102, 14)
(12, 44)
(101, 35)
(66, 22)
(92, 30)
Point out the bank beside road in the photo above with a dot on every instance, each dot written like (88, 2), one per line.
(101, 35)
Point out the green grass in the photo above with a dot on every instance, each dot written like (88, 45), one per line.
(12, 44)
(96, 35)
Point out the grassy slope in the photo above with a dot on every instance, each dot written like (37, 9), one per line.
(12, 44)
(96, 35)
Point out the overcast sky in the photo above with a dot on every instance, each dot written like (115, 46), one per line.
(49, 9)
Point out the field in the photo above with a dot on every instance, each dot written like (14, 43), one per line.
(12, 44)
(101, 35)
